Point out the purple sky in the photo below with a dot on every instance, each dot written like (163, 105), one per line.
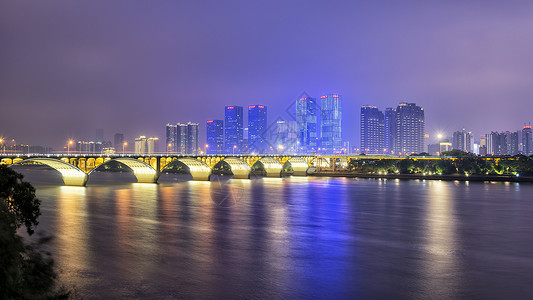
(68, 67)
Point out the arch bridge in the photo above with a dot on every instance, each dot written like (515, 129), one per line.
(75, 169)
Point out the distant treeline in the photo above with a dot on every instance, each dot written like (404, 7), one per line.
(454, 162)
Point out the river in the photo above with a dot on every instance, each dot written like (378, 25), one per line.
(290, 238)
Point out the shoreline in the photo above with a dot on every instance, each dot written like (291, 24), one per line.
(480, 178)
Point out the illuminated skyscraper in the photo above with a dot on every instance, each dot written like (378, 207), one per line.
(257, 123)
(390, 129)
(233, 130)
(330, 123)
(306, 120)
(527, 140)
(181, 138)
(192, 138)
(372, 130)
(406, 128)
(171, 140)
(215, 137)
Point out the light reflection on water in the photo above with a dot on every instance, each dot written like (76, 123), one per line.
(293, 238)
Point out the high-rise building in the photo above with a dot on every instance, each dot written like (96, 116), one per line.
(372, 130)
(181, 138)
(152, 145)
(118, 141)
(286, 137)
(172, 138)
(141, 146)
(99, 137)
(462, 140)
(257, 124)
(233, 129)
(408, 129)
(215, 137)
(390, 129)
(330, 123)
(306, 120)
(527, 140)
(192, 138)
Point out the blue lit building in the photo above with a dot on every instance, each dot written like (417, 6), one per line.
(257, 124)
(372, 130)
(330, 124)
(306, 125)
(233, 129)
(215, 137)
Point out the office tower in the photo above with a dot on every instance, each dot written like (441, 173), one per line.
(408, 134)
(99, 135)
(233, 130)
(483, 144)
(462, 140)
(141, 146)
(257, 124)
(215, 137)
(181, 138)
(527, 140)
(192, 138)
(330, 123)
(372, 130)
(390, 129)
(286, 137)
(306, 120)
(152, 145)
(172, 138)
(118, 141)
(513, 150)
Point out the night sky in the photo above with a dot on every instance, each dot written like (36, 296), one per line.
(69, 67)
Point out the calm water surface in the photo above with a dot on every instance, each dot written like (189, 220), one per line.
(291, 238)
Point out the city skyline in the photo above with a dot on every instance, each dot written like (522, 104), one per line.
(69, 80)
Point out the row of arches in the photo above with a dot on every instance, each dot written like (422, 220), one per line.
(145, 171)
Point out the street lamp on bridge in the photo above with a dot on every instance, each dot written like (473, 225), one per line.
(124, 146)
(234, 146)
(68, 146)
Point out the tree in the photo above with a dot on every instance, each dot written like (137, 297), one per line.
(20, 199)
(25, 272)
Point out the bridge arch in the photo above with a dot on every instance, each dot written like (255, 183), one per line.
(298, 165)
(142, 171)
(71, 174)
(269, 165)
(238, 167)
(197, 168)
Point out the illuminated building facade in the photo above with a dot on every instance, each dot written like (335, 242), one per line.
(215, 137)
(330, 124)
(286, 136)
(406, 128)
(306, 120)
(182, 138)
(192, 138)
(233, 130)
(141, 146)
(527, 140)
(372, 130)
(389, 129)
(171, 138)
(257, 124)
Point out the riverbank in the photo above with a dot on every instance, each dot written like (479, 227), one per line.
(498, 178)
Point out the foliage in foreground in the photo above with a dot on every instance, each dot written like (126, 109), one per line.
(26, 272)
(472, 165)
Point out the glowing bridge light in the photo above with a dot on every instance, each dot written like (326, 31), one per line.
(71, 174)
(298, 165)
(239, 168)
(271, 166)
(142, 171)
